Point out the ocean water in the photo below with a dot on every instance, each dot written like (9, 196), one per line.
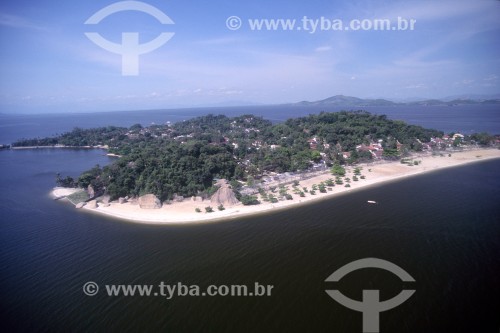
(443, 228)
(465, 119)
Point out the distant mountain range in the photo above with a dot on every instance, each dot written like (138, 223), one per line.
(349, 101)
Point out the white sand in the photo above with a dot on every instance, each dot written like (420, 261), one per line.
(62, 192)
(184, 212)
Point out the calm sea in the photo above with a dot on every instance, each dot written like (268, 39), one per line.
(465, 119)
(443, 228)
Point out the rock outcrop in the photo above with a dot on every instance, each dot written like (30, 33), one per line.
(90, 191)
(105, 199)
(92, 204)
(149, 201)
(224, 195)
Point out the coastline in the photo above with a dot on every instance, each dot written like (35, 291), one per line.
(184, 212)
(65, 147)
(58, 147)
(62, 192)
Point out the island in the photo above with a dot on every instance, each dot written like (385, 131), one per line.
(216, 167)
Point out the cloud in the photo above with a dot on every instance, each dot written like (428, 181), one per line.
(219, 41)
(18, 22)
(323, 48)
(464, 82)
(416, 86)
(436, 10)
(491, 77)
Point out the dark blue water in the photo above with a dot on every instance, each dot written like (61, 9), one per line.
(443, 228)
(464, 119)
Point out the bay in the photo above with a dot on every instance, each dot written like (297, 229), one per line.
(442, 231)
(466, 119)
(442, 228)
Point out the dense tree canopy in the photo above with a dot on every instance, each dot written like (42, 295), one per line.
(184, 158)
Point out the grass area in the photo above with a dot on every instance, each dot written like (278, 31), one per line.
(78, 197)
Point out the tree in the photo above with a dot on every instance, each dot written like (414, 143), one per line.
(66, 182)
(236, 185)
(250, 181)
(239, 172)
(315, 156)
(272, 198)
(136, 127)
(338, 170)
(248, 200)
(89, 177)
(391, 153)
(483, 138)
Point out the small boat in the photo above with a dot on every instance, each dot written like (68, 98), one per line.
(371, 202)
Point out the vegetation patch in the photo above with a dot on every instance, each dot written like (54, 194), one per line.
(77, 197)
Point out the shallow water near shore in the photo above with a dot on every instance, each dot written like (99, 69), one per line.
(442, 228)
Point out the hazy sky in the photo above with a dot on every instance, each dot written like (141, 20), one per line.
(49, 65)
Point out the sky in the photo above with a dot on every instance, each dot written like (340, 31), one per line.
(49, 65)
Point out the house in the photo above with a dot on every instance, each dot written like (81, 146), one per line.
(375, 149)
(313, 143)
(257, 144)
(377, 154)
(438, 142)
(132, 136)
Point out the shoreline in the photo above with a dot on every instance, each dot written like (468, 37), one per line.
(58, 147)
(64, 147)
(184, 212)
(59, 193)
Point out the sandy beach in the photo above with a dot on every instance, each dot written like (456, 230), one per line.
(62, 192)
(375, 173)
